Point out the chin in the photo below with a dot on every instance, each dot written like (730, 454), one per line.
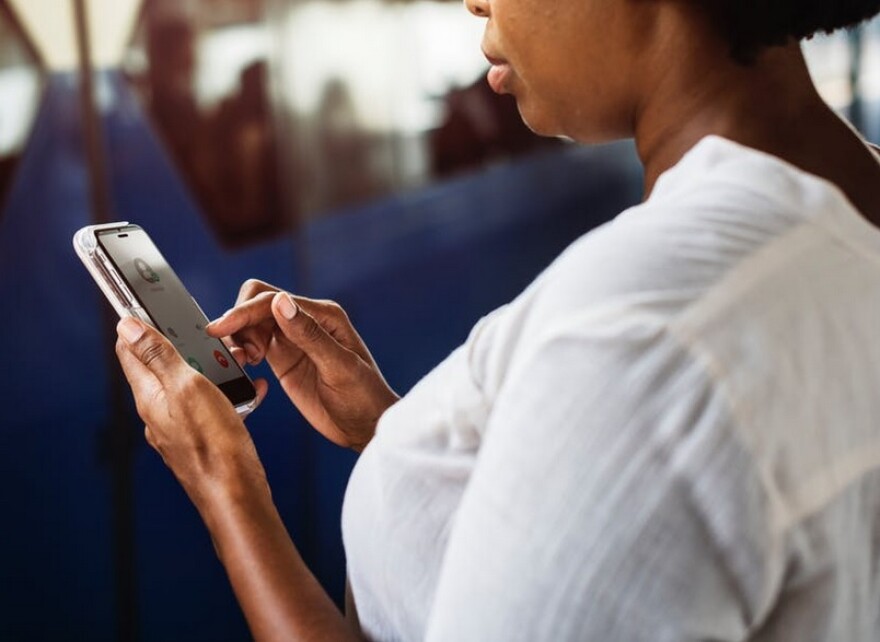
(584, 130)
(539, 123)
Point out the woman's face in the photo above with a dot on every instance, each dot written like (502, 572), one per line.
(571, 64)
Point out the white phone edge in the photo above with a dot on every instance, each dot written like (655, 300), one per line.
(85, 244)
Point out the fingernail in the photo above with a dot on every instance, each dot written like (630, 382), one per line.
(287, 307)
(130, 329)
(251, 351)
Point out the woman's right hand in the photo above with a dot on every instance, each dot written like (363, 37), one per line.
(316, 354)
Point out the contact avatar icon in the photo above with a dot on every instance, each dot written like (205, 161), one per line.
(147, 273)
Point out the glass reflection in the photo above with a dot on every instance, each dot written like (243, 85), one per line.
(20, 88)
(368, 98)
(201, 69)
(371, 98)
(399, 99)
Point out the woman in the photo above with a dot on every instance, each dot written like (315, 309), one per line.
(671, 435)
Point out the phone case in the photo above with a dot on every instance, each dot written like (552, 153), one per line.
(85, 244)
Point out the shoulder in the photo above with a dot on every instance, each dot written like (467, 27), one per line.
(721, 203)
(661, 256)
(709, 215)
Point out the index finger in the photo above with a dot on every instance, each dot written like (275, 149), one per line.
(250, 313)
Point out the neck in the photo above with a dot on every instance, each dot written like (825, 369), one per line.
(767, 106)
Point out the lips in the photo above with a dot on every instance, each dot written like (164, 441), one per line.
(497, 78)
(494, 60)
(498, 74)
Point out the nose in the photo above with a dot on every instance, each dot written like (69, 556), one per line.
(479, 8)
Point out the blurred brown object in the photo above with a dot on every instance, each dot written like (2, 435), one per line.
(226, 152)
(172, 103)
(244, 169)
(480, 127)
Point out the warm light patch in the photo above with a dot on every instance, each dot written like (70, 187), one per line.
(50, 24)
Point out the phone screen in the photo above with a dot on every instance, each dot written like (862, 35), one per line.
(165, 299)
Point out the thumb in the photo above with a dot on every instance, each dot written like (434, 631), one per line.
(308, 335)
(150, 348)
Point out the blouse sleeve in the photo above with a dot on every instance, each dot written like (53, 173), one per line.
(608, 502)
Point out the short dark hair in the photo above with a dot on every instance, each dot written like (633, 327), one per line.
(750, 26)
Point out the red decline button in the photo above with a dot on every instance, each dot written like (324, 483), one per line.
(221, 359)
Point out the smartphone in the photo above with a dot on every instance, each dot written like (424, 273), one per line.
(138, 282)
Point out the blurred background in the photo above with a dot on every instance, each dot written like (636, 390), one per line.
(345, 149)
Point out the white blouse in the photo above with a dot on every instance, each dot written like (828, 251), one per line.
(672, 434)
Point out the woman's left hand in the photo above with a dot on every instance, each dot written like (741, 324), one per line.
(192, 425)
(206, 445)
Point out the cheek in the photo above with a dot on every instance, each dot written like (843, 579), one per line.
(585, 101)
(545, 81)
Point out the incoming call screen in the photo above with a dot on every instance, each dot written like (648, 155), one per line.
(164, 297)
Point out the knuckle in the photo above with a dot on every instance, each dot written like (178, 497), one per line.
(156, 442)
(334, 309)
(312, 332)
(246, 289)
(250, 288)
(152, 352)
(143, 410)
(190, 385)
(249, 285)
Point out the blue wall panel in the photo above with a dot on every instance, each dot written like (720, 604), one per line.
(56, 567)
